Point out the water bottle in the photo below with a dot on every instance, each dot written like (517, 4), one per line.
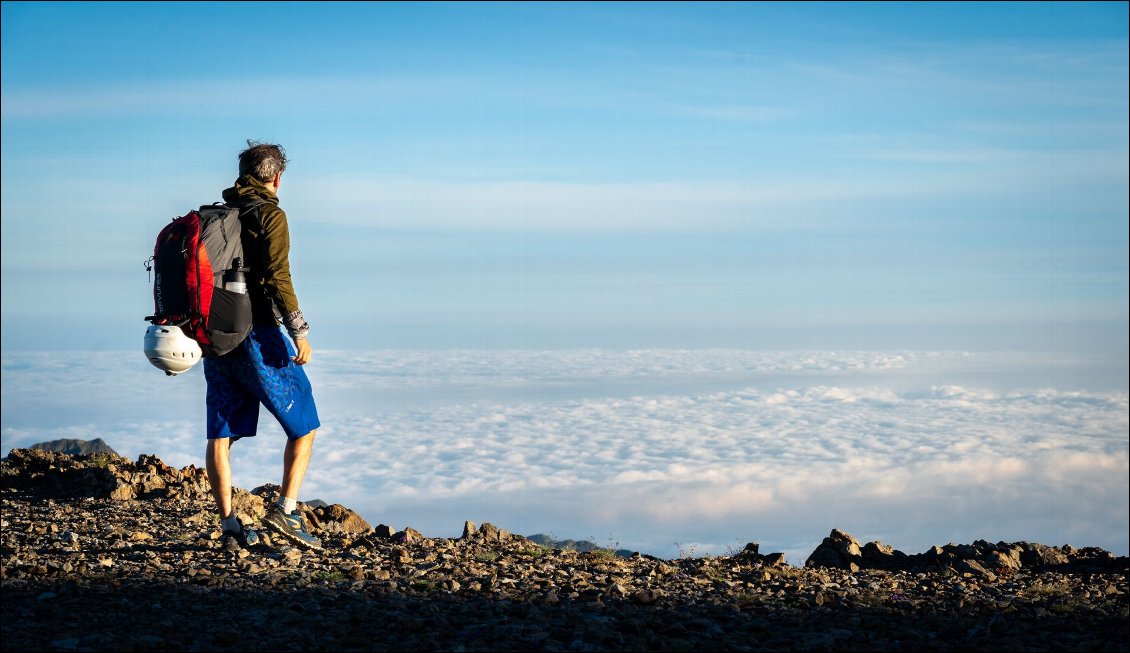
(234, 280)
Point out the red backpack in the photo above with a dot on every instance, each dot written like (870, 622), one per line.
(195, 257)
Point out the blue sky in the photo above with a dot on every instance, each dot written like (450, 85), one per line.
(632, 205)
(560, 175)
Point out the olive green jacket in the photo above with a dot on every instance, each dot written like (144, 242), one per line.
(266, 251)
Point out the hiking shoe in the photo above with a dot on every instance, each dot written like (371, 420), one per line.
(244, 538)
(292, 527)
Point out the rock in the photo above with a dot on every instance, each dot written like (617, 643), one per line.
(269, 492)
(469, 530)
(774, 560)
(408, 536)
(123, 492)
(847, 545)
(490, 532)
(876, 555)
(336, 518)
(1002, 560)
(1039, 555)
(838, 550)
(877, 550)
(974, 568)
(961, 551)
(250, 508)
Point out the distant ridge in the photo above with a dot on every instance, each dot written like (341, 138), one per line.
(581, 546)
(75, 447)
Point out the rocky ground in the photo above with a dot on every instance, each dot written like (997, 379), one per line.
(103, 553)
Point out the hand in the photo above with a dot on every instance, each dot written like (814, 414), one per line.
(304, 351)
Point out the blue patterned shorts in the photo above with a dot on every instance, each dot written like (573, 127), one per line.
(259, 371)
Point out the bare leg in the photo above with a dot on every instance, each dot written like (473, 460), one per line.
(219, 473)
(296, 457)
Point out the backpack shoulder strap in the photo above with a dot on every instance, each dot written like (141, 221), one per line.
(254, 208)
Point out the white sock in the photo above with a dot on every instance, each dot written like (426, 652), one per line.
(230, 524)
(288, 505)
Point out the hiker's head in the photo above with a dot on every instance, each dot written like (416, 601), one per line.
(263, 161)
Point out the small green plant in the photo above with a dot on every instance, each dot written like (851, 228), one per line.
(423, 585)
(486, 556)
(604, 555)
(329, 576)
(1051, 589)
(100, 460)
(534, 550)
(735, 549)
(713, 573)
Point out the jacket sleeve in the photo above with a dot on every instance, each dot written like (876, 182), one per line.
(275, 268)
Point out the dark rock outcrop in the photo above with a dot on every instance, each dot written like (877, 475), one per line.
(981, 559)
(100, 475)
(751, 553)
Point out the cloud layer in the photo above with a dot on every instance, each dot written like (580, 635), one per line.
(649, 448)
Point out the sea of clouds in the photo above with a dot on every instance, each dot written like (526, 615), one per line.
(669, 452)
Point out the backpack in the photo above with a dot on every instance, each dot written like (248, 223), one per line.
(192, 257)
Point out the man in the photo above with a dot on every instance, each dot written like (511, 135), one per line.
(265, 369)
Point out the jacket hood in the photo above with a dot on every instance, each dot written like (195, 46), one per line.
(247, 188)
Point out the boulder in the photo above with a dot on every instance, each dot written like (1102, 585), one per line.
(491, 533)
(408, 536)
(336, 518)
(1041, 555)
(249, 507)
(839, 550)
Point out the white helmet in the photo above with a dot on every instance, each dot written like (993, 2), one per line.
(170, 350)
